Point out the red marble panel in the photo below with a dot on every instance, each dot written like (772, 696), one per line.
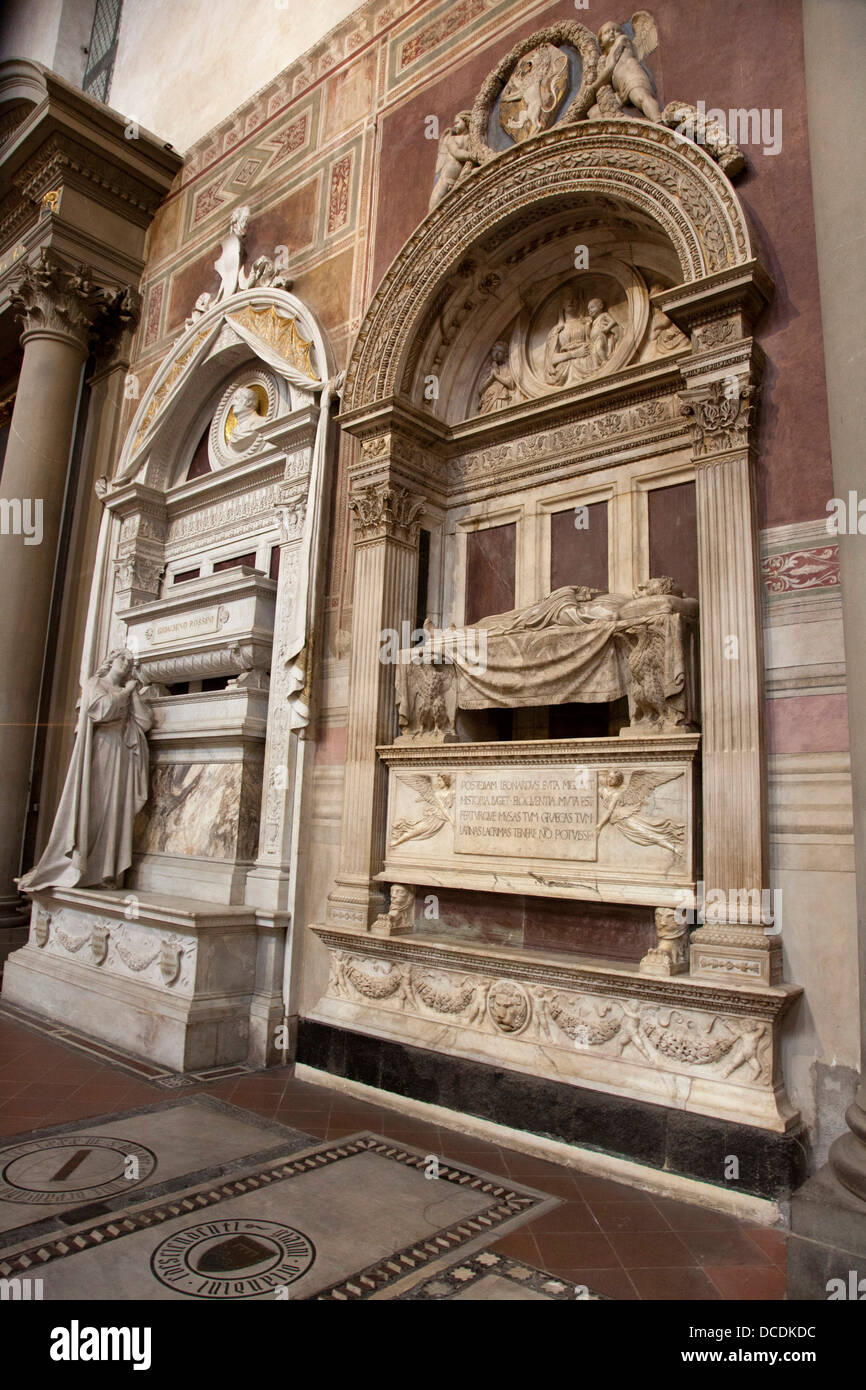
(673, 535)
(578, 553)
(490, 571)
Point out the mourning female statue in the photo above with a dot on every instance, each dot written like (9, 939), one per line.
(106, 785)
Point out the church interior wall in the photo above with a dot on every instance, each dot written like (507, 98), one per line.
(330, 156)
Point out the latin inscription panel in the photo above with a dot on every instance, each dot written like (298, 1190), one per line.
(548, 812)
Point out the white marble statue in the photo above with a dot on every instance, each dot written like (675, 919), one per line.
(454, 160)
(499, 389)
(106, 786)
(228, 266)
(622, 79)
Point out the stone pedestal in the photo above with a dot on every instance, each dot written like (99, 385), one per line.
(181, 982)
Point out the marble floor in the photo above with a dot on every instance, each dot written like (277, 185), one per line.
(257, 1185)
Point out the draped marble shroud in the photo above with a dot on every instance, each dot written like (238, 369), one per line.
(568, 647)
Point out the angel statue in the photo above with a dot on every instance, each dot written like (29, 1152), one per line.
(454, 160)
(106, 786)
(437, 796)
(229, 264)
(622, 79)
(624, 795)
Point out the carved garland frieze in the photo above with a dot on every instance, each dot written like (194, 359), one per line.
(525, 454)
(109, 941)
(669, 1037)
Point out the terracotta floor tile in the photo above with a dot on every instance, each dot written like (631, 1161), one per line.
(558, 1185)
(724, 1248)
(594, 1189)
(748, 1281)
(587, 1249)
(674, 1284)
(629, 1216)
(32, 1109)
(773, 1242)
(520, 1245)
(565, 1219)
(650, 1249)
(685, 1216)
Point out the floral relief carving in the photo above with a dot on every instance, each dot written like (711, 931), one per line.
(665, 1037)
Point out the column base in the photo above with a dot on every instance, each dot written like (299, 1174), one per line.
(722, 952)
(827, 1245)
(355, 903)
(848, 1152)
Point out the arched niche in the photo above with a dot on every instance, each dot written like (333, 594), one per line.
(212, 575)
(512, 293)
(648, 170)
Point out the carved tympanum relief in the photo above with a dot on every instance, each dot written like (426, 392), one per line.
(589, 326)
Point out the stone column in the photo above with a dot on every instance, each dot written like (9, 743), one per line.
(60, 309)
(386, 577)
(733, 943)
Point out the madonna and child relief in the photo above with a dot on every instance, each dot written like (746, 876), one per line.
(574, 335)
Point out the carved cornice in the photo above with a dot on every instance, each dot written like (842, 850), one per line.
(51, 299)
(385, 512)
(59, 158)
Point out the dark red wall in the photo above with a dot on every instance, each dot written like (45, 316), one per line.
(745, 53)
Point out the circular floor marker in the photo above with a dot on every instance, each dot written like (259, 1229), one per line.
(72, 1168)
(232, 1259)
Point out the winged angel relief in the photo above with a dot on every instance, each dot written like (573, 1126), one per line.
(436, 795)
(624, 796)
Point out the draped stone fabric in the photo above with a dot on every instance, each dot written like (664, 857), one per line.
(106, 786)
(574, 645)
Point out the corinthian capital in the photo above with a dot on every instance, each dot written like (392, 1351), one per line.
(385, 512)
(720, 412)
(69, 305)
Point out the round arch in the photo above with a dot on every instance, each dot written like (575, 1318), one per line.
(646, 167)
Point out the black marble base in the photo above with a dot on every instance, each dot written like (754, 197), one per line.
(695, 1146)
